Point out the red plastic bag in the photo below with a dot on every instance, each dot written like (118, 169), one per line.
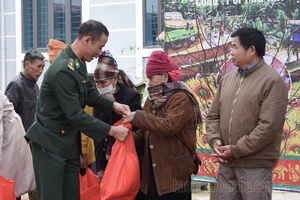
(7, 189)
(121, 179)
(89, 186)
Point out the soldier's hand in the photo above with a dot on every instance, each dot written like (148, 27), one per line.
(119, 132)
(121, 109)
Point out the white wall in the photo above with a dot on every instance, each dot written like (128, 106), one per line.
(123, 18)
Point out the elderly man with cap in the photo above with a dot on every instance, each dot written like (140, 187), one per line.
(167, 132)
(114, 83)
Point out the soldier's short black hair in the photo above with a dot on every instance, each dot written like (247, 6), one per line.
(92, 28)
(32, 55)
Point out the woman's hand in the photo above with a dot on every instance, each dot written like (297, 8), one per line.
(129, 117)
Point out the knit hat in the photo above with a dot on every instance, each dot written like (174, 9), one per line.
(159, 62)
(107, 67)
(55, 47)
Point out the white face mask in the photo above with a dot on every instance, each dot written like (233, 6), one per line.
(109, 89)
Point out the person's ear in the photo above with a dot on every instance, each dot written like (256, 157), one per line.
(87, 39)
(252, 50)
(27, 64)
(166, 77)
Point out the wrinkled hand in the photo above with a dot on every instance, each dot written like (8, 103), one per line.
(226, 153)
(83, 161)
(121, 109)
(119, 132)
(129, 117)
(222, 153)
(100, 175)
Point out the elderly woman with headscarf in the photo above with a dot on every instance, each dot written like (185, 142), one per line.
(167, 132)
(114, 83)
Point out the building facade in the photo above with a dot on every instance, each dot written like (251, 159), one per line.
(29, 24)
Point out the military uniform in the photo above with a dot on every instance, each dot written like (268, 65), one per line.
(55, 136)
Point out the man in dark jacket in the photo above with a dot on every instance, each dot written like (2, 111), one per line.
(23, 91)
(65, 91)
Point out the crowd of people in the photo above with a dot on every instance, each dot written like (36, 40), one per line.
(53, 132)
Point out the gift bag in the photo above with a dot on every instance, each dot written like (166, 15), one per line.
(89, 186)
(121, 179)
(7, 188)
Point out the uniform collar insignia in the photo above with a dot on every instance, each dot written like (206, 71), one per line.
(70, 64)
(77, 64)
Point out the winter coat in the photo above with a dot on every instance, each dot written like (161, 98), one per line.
(23, 92)
(248, 114)
(159, 134)
(15, 155)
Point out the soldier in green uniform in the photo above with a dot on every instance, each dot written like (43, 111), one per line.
(65, 91)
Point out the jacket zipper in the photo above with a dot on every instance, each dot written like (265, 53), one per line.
(232, 110)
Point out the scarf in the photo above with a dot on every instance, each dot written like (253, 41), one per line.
(126, 81)
(160, 94)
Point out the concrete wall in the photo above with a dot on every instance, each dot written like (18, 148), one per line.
(8, 46)
(119, 17)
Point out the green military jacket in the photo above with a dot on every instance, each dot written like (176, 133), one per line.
(60, 117)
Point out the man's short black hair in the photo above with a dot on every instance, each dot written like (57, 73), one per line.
(32, 55)
(251, 37)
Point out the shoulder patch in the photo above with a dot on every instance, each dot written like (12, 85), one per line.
(70, 64)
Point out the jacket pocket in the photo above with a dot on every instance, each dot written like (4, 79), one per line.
(64, 138)
(182, 166)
